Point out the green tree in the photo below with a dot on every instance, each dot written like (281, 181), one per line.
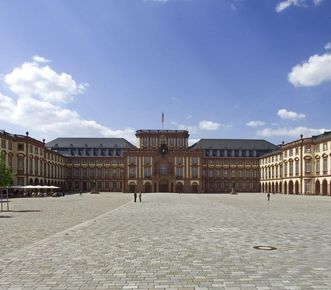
(5, 173)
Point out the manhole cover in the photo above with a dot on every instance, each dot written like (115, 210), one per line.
(265, 248)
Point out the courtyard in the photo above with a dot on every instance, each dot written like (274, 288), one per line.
(168, 241)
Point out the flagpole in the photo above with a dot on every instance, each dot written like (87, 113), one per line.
(162, 120)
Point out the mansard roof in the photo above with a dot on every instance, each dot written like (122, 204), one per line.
(326, 136)
(234, 144)
(89, 143)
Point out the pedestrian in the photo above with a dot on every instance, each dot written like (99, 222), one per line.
(139, 196)
(268, 196)
(135, 197)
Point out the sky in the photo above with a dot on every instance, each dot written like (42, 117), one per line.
(243, 69)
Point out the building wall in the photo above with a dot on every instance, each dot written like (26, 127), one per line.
(31, 162)
(299, 167)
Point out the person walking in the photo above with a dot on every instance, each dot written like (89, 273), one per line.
(139, 196)
(268, 196)
(135, 197)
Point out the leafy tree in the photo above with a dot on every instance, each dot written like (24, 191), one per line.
(5, 173)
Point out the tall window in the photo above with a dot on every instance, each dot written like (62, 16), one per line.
(317, 165)
(3, 143)
(307, 166)
(132, 172)
(163, 169)
(291, 168)
(296, 167)
(318, 147)
(147, 172)
(20, 163)
(145, 141)
(179, 171)
(325, 165)
(194, 172)
(307, 186)
(325, 146)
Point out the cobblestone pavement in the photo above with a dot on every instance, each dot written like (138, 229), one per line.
(172, 241)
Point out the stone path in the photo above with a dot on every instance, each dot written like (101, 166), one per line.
(172, 241)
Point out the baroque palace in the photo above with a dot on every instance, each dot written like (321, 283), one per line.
(163, 161)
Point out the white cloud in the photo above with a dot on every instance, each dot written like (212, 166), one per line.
(288, 3)
(312, 72)
(327, 46)
(289, 115)
(191, 129)
(255, 123)
(43, 115)
(291, 132)
(192, 141)
(34, 79)
(209, 125)
(281, 6)
(40, 59)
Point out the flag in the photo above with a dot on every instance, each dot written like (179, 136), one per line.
(162, 118)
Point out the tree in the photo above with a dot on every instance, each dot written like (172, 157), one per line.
(5, 173)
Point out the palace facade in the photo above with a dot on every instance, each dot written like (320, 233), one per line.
(299, 167)
(163, 161)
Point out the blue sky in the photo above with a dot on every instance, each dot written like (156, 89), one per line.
(219, 68)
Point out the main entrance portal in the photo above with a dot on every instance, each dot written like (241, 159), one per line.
(163, 186)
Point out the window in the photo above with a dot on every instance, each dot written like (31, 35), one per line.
(3, 143)
(210, 173)
(132, 172)
(147, 160)
(194, 160)
(147, 172)
(20, 147)
(145, 141)
(308, 149)
(325, 165)
(325, 146)
(163, 169)
(179, 171)
(154, 141)
(317, 165)
(194, 172)
(291, 168)
(132, 160)
(318, 147)
(291, 152)
(179, 160)
(285, 153)
(10, 145)
(180, 142)
(296, 167)
(20, 163)
(307, 166)
(297, 151)
(307, 186)
(285, 169)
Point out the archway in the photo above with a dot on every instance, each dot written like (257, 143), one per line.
(31, 181)
(273, 188)
(276, 187)
(317, 187)
(296, 191)
(132, 187)
(280, 188)
(324, 187)
(262, 187)
(290, 187)
(148, 187)
(285, 187)
(164, 186)
(179, 187)
(194, 187)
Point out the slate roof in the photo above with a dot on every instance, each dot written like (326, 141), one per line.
(89, 143)
(235, 144)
